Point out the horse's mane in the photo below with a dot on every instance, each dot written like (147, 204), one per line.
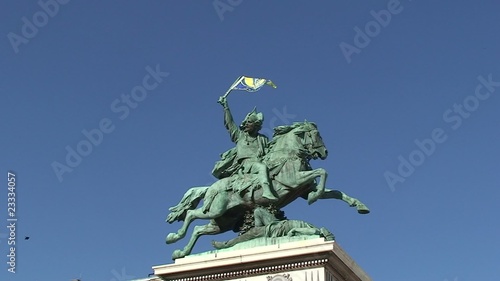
(280, 131)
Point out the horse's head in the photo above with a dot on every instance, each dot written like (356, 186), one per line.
(311, 140)
(303, 137)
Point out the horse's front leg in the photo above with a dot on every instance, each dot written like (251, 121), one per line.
(353, 202)
(306, 176)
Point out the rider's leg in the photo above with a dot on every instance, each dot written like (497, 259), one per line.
(262, 174)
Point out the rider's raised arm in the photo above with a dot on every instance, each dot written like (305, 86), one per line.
(229, 123)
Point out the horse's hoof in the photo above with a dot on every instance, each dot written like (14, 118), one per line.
(171, 238)
(362, 209)
(177, 254)
(169, 219)
(312, 197)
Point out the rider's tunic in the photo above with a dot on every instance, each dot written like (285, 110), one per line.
(247, 153)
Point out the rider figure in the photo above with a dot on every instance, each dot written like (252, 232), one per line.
(250, 147)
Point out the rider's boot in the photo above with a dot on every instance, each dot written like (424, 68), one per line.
(268, 193)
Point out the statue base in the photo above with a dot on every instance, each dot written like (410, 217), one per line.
(285, 260)
(261, 241)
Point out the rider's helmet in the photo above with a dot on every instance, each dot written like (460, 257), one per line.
(255, 117)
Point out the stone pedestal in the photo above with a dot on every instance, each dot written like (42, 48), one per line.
(306, 260)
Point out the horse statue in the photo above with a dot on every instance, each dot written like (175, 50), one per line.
(225, 201)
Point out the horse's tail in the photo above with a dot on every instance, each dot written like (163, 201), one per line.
(188, 202)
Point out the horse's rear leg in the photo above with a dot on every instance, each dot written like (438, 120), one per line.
(191, 215)
(353, 202)
(209, 229)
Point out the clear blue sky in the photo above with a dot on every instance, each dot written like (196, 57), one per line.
(407, 106)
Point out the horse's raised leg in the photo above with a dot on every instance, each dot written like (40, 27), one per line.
(353, 202)
(198, 231)
(306, 176)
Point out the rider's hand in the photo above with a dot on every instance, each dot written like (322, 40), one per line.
(223, 101)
